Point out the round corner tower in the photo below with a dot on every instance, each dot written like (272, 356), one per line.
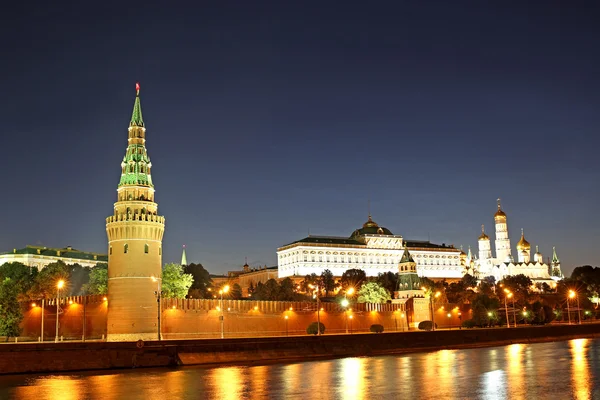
(135, 232)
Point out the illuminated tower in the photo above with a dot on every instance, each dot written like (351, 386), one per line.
(485, 253)
(135, 233)
(409, 284)
(503, 253)
(556, 272)
(183, 257)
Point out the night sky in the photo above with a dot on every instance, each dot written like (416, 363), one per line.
(269, 119)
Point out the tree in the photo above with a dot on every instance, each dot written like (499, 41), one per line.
(482, 307)
(328, 282)
(20, 275)
(175, 283)
(98, 280)
(201, 279)
(236, 292)
(308, 281)
(388, 280)
(78, 277)
(353, 278)
(372, 292)
(10, 310)
(519, 285)
(46, 280)
(469, 281)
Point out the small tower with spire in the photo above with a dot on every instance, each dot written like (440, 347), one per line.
(135, 232)
(183, 257)
(556, 272)
(409, 284)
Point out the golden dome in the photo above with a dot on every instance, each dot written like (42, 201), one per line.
(499, 214)
(523, 244)
(370, 224)
(483, 236)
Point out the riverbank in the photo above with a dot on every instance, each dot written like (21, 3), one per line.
(76, 356)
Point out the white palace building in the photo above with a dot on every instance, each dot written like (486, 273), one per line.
(371, 248)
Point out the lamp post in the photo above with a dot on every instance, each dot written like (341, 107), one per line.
(507, 294)
(222, 316)
(59, 286)
(449, 321)
(316, 295)
(350, 324)
(571, 295)
(345, 305)
(568, 311)
(437, 294)
(459, 320)
(286, 325)
(158, 294)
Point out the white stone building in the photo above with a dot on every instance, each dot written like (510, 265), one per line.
(39, 257)
(504, 263)
(371, 248)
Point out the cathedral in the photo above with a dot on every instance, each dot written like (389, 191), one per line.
(504, 263)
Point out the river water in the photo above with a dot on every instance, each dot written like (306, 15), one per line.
(559, 370)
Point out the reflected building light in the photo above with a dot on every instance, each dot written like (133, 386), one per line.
(352, 378)
(580, 370)
(227, 383)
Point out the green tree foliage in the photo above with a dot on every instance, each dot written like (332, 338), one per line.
(308, 281)
(519, 285)
(10, 310)
(376, 328)
(353, 278)
(425, 325)
(274, 291)
(236, 292)
(487, 286)
(45, 282)
(328, 282)
(481, 306)
(98, 280)
(388, 280)
(469, 281)
(22, 276)
(78, 277)
(201, 280)
(373, 292)
(312, 328)
(175, 282)
(587, 279)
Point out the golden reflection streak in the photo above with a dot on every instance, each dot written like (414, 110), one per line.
(352, 378)
(514, 379)
(580, 370)
(227, 383)
(444, 364)
(62, 387)
(103, 385)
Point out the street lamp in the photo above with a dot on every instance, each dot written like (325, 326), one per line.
(224, 290)
(572, 294)
(59, 286)
(437, 294)
(345, 305)
(507, 294)
(350, 323)
(286, 325)
(316, 295)
(449, 322)
(158, 295)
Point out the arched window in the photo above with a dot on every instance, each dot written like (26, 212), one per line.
(110, 250)
(125, 248)
(146, 248)
(160, 251)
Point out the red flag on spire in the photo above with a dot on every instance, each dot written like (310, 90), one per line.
(137, 87)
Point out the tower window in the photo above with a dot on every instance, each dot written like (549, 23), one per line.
(146, 248)
(110, 250)
(125, 248)
(160, 251)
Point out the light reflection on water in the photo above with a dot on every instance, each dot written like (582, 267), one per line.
(520, 371)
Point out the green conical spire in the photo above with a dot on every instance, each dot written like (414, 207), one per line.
(406, 257)
(183, 257)
(136, 116)
(555, 259)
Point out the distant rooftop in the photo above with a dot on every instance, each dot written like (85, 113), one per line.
(65, 252)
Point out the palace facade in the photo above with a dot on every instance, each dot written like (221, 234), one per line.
(372, 248)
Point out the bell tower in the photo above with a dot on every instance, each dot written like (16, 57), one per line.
(135, 232)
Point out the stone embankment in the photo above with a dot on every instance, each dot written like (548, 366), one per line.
(73, 356)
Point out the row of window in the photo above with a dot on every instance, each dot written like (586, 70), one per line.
(126, 249)
(367, 260)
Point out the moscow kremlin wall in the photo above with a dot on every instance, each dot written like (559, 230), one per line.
(199, 318)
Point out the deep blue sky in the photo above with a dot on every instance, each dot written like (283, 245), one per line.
(267, 119)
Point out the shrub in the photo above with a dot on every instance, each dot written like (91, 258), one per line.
(376, 328)
(468, 324)
(426, 325)
(312, 328)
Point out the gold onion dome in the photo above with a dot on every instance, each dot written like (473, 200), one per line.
(370, 224)
(371, 228)
(499, 213)
(483, 236)
(523, 244)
